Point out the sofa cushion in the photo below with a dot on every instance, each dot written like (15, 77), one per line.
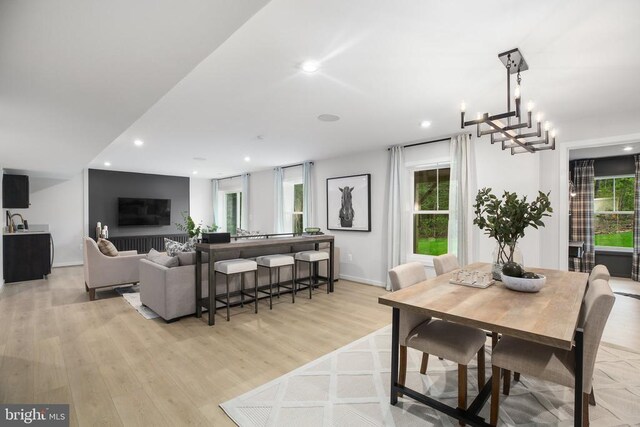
(173, 248)
(162, 259)
(107, 248)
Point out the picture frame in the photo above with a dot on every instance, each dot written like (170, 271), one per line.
(349, 203)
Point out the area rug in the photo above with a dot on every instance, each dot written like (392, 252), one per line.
(350, 387)
(131, 294)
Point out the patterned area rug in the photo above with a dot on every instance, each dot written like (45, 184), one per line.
(350, 387)
(131, 294)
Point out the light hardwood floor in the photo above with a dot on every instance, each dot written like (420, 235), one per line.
(114, 367)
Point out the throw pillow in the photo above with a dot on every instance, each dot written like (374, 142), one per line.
(162, 259)
(107, 248)
(173, 248)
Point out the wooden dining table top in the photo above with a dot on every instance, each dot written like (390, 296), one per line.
(548, 317)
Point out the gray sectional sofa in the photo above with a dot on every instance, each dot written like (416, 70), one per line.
(170, 291)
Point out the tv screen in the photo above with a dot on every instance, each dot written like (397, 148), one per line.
(144, 211)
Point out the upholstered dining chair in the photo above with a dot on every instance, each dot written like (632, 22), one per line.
(445, 263)
(599, 272)
(551, 363)
(447, 340)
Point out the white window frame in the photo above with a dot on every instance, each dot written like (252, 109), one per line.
(614, 212)
(230, 186)
(411, 256)
(292, 177)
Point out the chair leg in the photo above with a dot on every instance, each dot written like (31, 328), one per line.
(226, 276)
(255, 290)
(425, 362)
(507, 382)
(592, 398)
(516, 376)
(494, 339)
(495, 395)
(462, 388)
(585, 409)
(402, 374)
(481, 368)
(293, 283)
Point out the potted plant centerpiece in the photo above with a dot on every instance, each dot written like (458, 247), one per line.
(505, 220)
(193, 231)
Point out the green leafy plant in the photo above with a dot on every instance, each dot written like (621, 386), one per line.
(189, 226)
(505, 219)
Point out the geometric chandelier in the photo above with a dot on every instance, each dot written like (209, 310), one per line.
(508, 128)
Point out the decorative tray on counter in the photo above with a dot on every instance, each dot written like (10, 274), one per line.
(473, 278)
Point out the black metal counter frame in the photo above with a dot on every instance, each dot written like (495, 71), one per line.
(252, 245)
(470, 415)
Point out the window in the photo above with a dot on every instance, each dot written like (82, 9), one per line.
(613, 209)
(292, 198)
(298, 192)
(431, 211)
(233, 212)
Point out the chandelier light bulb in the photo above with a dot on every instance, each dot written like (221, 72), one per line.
(553, 133)
(539, 117)
(547, 125)
(516, 93)
(479, 116)
(463, 106)
(530, 106)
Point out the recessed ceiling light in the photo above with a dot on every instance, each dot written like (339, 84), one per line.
(107, 163)
(260, 137)
(310, 66)
(328, 118)
(628, 148)
(138, 142)
(199, 159)
(425, 124)
(247, 159)
(195, 172)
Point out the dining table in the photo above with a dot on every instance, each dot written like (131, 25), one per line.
(548, 317)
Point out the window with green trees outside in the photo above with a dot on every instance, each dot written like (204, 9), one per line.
(613, 211)
(430, 211)
(298, 192)
(233, 207)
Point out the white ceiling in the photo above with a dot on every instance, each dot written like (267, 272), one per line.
(386, 66)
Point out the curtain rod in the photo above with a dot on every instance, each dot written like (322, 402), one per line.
(230, 177)
(415, 144)
(293, 166)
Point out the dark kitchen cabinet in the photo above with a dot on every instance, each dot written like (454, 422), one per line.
(27, 256)
(15, 191)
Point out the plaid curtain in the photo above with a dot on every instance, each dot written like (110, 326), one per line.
(582, 213)
(635, 267)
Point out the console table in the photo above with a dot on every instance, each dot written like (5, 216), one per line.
(250, 248)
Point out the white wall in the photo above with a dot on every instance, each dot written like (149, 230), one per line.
(201, 200)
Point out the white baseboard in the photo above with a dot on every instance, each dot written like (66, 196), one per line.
(67, 263)
(363, 280)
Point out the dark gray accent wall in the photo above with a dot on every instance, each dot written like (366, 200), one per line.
(106, 186)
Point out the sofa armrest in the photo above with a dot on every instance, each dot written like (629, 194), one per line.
(127, 253)
(153, 286)
(107, 271)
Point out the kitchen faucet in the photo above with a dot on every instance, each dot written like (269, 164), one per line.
(11, 226)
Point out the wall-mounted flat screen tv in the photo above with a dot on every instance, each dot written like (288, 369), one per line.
(143, 211)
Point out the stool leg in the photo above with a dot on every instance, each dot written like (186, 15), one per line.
(241, 290)
(310, 280)
(226, 276)
(278, 280)
(293, 283)
(327, 284)
(255, 289)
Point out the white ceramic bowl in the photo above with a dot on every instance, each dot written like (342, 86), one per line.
(524, 285)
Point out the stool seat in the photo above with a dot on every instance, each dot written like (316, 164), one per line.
(233, 266)
(274, 260)
(312, 256)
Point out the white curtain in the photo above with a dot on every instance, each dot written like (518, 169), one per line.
(307, 205)
(244, 220)
(397, 197)
(278, 218)
(461, 186)
(214, 191)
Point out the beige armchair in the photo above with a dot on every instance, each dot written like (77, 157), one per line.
(101, 271)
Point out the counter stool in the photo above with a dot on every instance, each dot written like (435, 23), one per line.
(233, 267)
(277, 261)
(312, 258)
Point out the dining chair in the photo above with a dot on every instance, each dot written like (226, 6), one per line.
(600, 271)
(447, 340)
(445, 263)
(552, 363)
